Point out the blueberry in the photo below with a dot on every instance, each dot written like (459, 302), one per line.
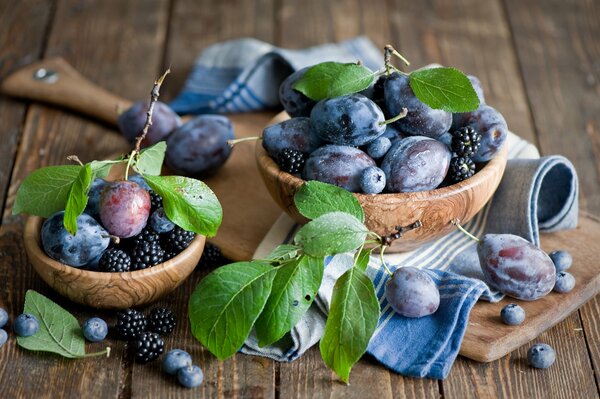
(160, 222)
(86, 245)
(512, 314)
(190, 376)
(176, 359)
(26, 325)
(3, 317)
(379, 147)
(562, 260)
(564, 282)
(140, 181)
(3, 337)
(93, 205)
(95, 329)
(541, 356)
(372, 180)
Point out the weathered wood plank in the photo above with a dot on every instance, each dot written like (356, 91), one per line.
(558, 50)
(79, 35)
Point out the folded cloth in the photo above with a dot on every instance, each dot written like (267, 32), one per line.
(245, 74)
(536, 194)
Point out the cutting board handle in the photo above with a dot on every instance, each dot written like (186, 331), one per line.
(55, 81)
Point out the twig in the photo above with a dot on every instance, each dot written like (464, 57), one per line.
(154, 94)
(74, 158)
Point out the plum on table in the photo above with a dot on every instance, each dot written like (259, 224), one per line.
(164, 121)
(411, 292)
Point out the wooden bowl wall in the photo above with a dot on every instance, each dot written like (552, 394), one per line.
(110, 290)
(383, 212)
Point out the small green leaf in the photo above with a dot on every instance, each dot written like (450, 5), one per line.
(284, 252)
(227, 302)
(334, 79)
(362, 259)
(78, 198)
(59, 331)
(294, 289)
(330, 234)
(352, 320)
(316, 198)
(45, 191)
(151, 159)
(444, 88)
(189, 203)
(101, 169)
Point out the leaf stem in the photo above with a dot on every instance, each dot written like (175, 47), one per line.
(383, 263)
(357, 254)
(456, 222)
(101, 353)
(231, 143)
(392, 51)
(395, 118)
(74, 158)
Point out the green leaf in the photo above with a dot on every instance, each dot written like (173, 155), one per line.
(315, 198)
(59, 331)
(45, 191)
(444, 88)
(362, 259)
(78, 198)
(334, 79)
(330, 234)
(284, 252)
(189, 203)
(227, 302)
(101, 169)
(294, 289)
(151, 159)
(351, 322)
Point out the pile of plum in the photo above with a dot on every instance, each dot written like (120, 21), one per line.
(129, 210)
(354, 141)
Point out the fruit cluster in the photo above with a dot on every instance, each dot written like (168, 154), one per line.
(129, 210)
(347, 140)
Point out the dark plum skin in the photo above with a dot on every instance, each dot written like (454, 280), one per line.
(415, 163)
(476, 83)
(199, 148)
(516, 267)
(490, 124)
(93, 205)
(295, 103)
(352, 119)
(164, 121)
(78, 250)
(339, 165)
(421, 119)
(294, 133)
(412, 293)
(124, 208)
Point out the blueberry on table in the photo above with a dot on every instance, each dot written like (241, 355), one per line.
(512, 314)
(562, 260)
(3, 317)
(541, 356)
(3, 337)
(164, 121)
(95, 329)
(176, 359)
(411, 292)
(190, 376)
(294, 102)
(565, 282)
(26, 325)
(86, 245)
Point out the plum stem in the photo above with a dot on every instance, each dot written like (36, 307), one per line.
(388, 51)
(395, 118)
(154, 94)
(456, 222)
(74, 158)
(232, 143)
(382, 259)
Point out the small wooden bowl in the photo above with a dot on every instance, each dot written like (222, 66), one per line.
(435, 209)
(110, 290)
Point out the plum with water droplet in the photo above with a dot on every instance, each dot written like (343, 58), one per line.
(124, 208)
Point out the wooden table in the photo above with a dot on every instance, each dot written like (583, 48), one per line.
(539, 62)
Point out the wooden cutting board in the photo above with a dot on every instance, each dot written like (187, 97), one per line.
(249, 212)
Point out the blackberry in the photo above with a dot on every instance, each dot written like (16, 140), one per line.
(156, 200)
(178, 239)
(148, 234)
(162, 321)
(114, 260)
(211, 256)
(148, 346)
(461, 168)
(291, 161)
(170, 255)
(147, 254)
(465, 141)
(130, 323)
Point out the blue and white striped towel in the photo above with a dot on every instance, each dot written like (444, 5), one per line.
(536, 194)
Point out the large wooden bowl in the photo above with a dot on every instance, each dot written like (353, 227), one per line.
(435, 209)
(110, 290)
